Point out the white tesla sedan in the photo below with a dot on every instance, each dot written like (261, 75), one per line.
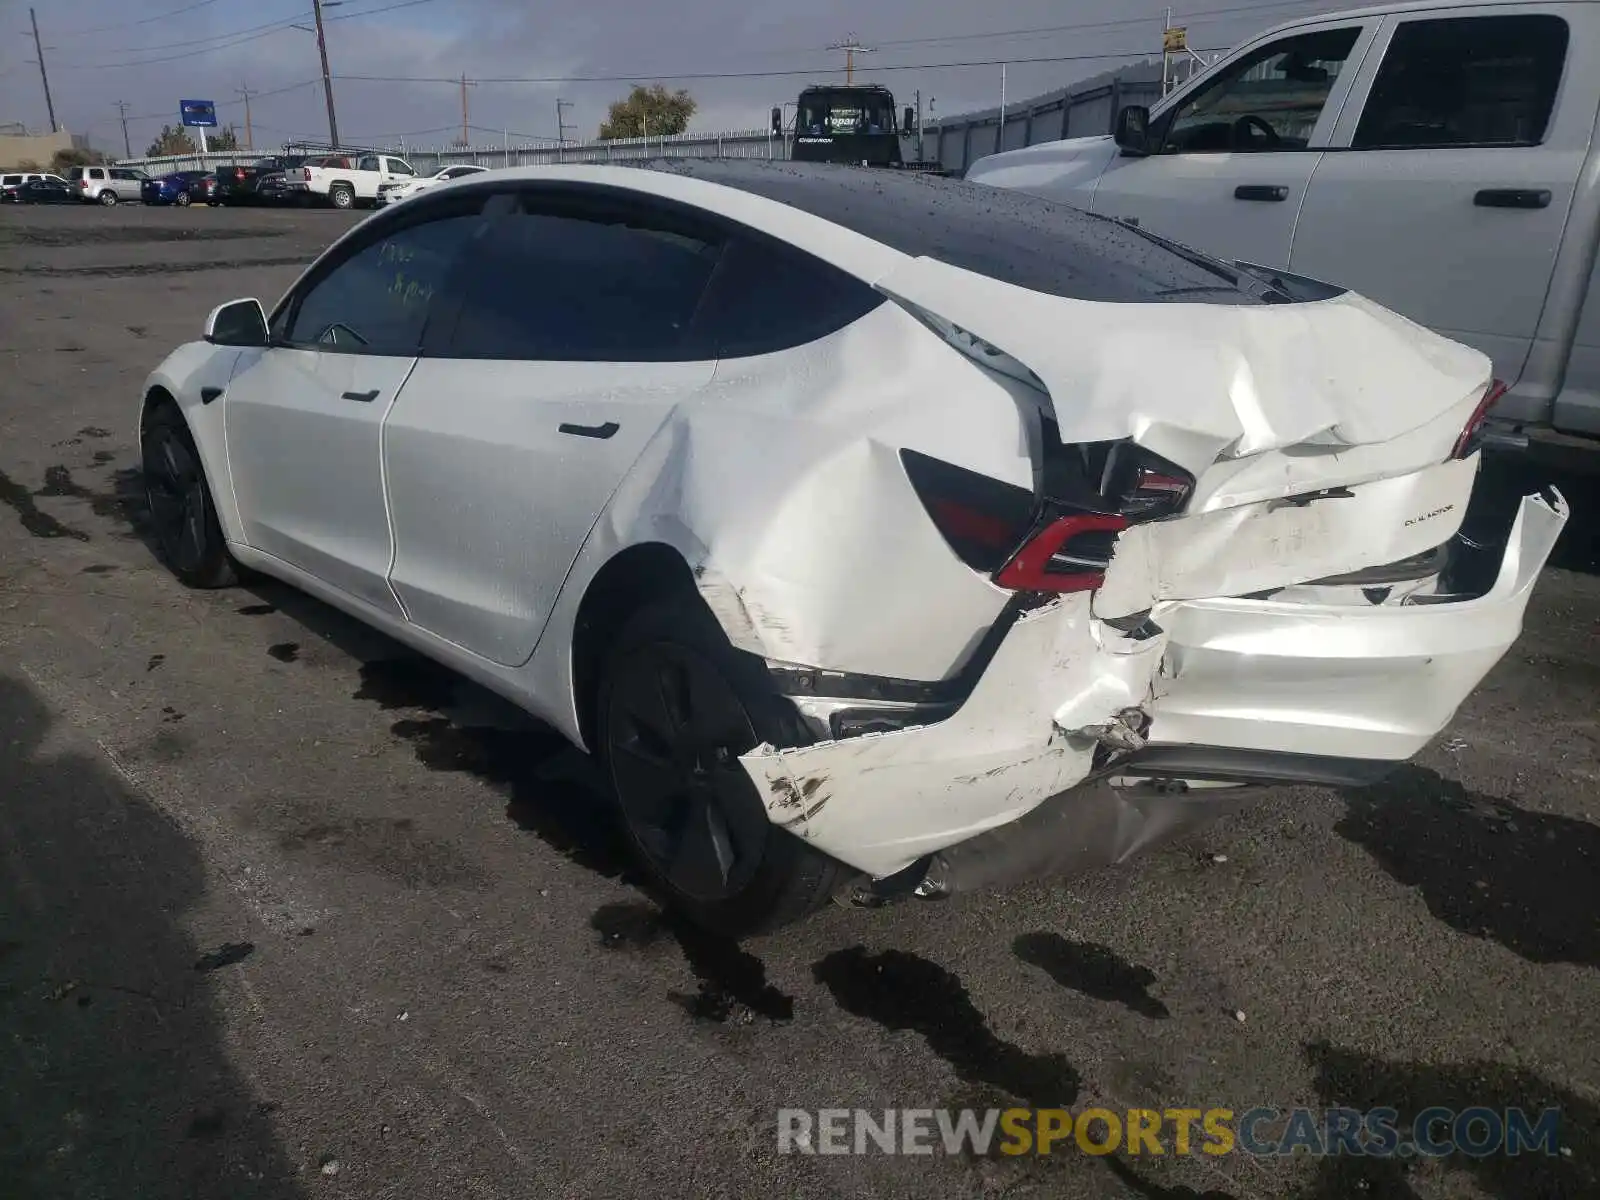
(393, 193)
(863, 524)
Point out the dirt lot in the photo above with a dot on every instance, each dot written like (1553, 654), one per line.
(283, 911)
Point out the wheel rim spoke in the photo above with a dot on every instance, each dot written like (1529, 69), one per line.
(702, 860)
(746, 823)
(676, 730)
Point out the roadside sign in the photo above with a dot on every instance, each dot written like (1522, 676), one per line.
(198, 114)
(1174, 40)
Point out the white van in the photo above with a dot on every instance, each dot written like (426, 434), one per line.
(1440, 158)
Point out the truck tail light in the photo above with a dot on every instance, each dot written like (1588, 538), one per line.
(1472, 436)
(1060, 538)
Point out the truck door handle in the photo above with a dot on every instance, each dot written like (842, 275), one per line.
(591, 431)
(362, 397)
(1513, 198)
(1260, 191)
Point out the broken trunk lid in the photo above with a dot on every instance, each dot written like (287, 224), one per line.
(1199, 382)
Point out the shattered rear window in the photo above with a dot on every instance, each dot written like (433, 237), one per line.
(1004, 234)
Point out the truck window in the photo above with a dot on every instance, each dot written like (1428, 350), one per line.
(823, 114)
(1466, 81)
(1268, 100)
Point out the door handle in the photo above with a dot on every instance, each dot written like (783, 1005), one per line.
(1261, 191)
(590, 431)
(1513, 198)
(362, 397)
(207, 395)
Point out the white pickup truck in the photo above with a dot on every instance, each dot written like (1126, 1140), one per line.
(345, 180)
(1441, 158)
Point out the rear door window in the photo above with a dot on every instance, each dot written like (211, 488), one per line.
(766, 296)
(1466, 81)
(576, 279)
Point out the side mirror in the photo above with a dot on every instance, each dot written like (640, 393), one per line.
(908, 123)
(777, 121)
(1132, 129)
(237, 323)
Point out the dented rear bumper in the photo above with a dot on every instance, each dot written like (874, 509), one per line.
(1286, 679)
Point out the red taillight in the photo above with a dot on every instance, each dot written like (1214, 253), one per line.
(1069, 555)
(1060, 537)
(1467, 443)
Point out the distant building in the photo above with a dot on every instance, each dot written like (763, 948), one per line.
(21, 147)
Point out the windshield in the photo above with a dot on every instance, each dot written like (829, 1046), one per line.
(834, 113)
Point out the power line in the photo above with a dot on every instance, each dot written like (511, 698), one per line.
(691, 76)
(238, 37)
(254, 95)
(131, 24)
(1079, 26)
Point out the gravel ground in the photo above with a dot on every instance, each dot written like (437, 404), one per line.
(285, 911)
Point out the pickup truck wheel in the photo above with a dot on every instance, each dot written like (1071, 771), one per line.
(342, 196)
(107, 197)
(677, 706)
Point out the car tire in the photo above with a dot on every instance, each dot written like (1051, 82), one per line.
(107, 198)
(692, 817)
(182, 200)
(183, 516)
(341, 196)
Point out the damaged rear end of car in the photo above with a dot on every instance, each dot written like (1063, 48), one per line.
(1241, 561)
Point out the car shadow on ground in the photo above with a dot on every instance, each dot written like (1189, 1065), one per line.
(1483, 865)
(116, 1078)
(453, 725)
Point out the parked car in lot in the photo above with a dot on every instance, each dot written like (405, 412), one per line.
(260, 182)
(105, 185)
(858, 522)
(182, 188)
(346, 180)
(1441, 158)
(12, 182)
(48, 190)
(402, 189)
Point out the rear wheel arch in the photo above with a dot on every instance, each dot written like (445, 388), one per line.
(628, 581)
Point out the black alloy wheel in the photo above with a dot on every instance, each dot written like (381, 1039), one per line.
(677, 706)
(182, 515)
(676, 732)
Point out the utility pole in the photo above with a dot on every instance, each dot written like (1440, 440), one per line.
(249, 131)
(561, 127)
(1000, 137)
(851, 48)
(920, 155)
(49, 104)
(1166, 57)
(327, 76)
(122, 111)
(465, 138)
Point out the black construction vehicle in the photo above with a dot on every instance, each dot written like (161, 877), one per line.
(856, 124)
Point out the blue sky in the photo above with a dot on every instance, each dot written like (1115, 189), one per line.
(147, 54)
